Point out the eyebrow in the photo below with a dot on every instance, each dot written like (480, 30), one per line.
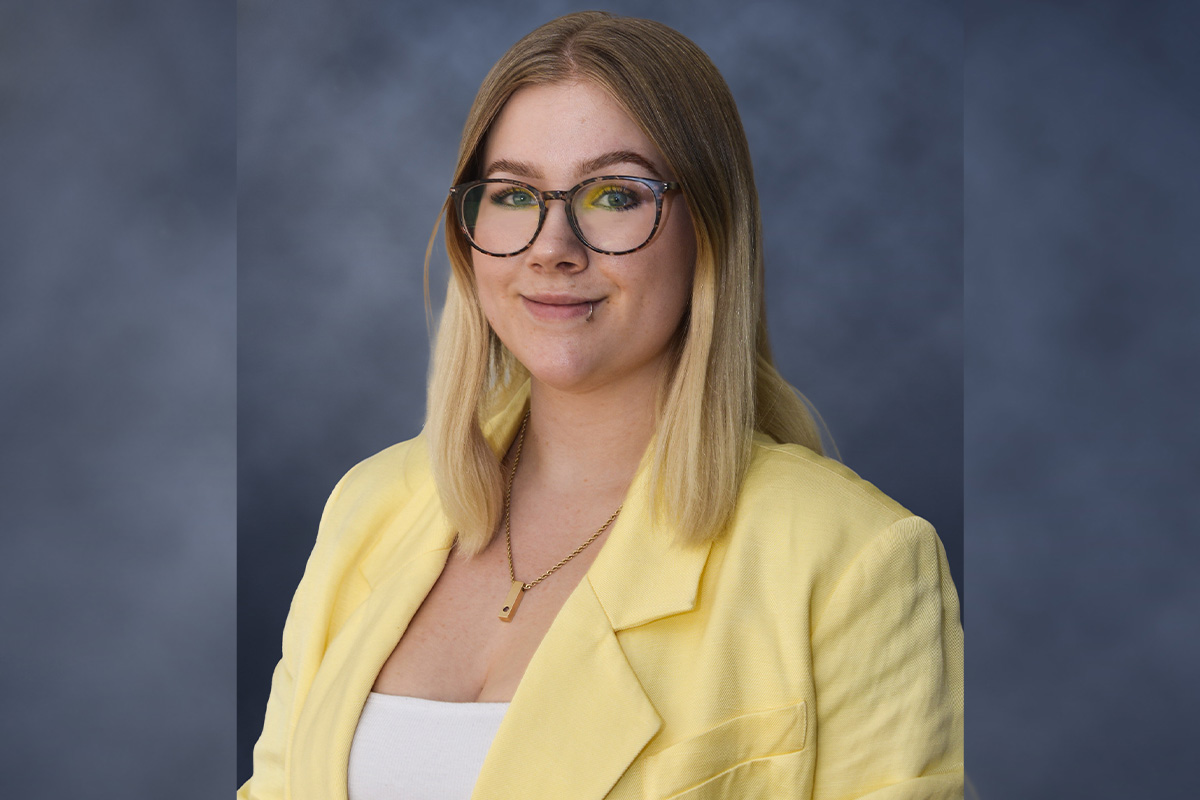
(617, 157)
(526, 170)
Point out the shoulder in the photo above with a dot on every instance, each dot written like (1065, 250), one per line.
(794, 483)
(394, 471)
(376, 488)
(803, 519)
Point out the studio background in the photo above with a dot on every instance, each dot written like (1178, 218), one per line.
(349, 116)
(118, 374)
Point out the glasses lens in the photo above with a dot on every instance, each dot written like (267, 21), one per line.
(500, 217)
(615, 215)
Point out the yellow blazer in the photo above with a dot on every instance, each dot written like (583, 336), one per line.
(813, 651)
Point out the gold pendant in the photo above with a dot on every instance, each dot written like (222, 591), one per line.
(512, 601)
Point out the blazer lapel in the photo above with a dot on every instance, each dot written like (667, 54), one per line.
(400, 572)
(580, 716)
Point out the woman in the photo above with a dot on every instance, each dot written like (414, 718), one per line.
(613, 564)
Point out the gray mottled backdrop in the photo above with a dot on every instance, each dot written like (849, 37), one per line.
(349, 118)
(117, 399)
(117, 333)
(1082, 131)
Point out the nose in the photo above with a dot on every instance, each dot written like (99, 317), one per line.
(556, 246)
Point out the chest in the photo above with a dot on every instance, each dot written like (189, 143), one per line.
(456, 648)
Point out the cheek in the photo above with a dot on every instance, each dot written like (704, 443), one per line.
(682, 296)
(681, 270)
(666, 296)
(488, 285)
(681, 242)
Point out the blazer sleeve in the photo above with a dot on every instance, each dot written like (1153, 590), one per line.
(888, 674)
(303, 641)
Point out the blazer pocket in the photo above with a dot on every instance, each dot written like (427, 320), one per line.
(750, 737)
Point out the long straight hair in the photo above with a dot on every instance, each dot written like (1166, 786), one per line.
(723, 385)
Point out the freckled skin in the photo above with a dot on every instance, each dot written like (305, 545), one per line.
(642, 295)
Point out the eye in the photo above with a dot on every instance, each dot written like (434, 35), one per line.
(611, 197)
(513, 197)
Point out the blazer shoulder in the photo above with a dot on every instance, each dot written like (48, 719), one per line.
(793, 477)
(373, 489)
(389, 474)
(809, 515)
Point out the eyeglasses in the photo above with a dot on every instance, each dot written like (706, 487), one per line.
(612, 214)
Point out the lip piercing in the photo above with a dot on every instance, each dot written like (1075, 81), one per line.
(591, 310)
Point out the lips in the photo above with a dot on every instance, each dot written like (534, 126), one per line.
(551, 307)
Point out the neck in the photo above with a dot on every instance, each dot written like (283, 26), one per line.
(589, 441)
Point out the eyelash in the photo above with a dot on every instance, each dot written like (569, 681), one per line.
(625, 193)
(499, 197)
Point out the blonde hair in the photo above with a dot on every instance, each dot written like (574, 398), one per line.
(724, 385)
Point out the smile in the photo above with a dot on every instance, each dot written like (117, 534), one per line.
(559, 307)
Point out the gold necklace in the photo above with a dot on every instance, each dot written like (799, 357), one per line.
(518, 588)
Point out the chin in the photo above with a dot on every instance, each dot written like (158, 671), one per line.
(566, 366)
(581, 375)
(567, 378)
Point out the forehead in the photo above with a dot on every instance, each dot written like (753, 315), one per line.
(559, 127)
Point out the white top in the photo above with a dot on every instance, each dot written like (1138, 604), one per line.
(409, 748)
